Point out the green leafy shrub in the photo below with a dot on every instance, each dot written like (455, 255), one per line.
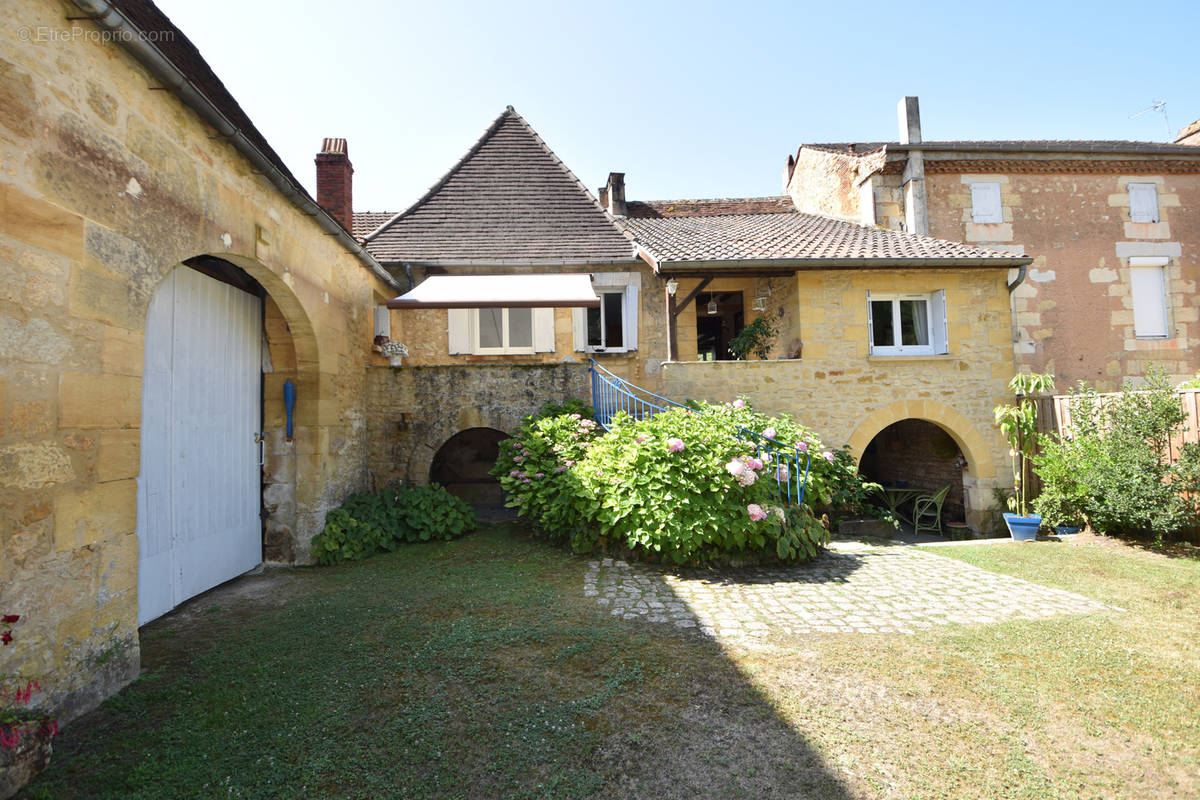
(374, 522)
(1113, 468)
(683, 485)
(756, 338)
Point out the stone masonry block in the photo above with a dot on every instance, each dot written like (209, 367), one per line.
(91, 515)
(99, 401)
(122, 352)
(40, 223)
(119, 455)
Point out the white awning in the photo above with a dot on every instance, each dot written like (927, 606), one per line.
(501, 291)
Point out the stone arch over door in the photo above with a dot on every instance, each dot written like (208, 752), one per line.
(284, 347)
(980, 473)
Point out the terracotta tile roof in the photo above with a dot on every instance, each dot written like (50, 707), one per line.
(724, 205)
(791, 238)
(1078, 146)
(509, 201)
(366, 222)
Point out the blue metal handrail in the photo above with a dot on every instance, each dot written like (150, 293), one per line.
(612, 394)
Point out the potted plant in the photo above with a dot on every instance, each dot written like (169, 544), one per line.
(394, 352)
(756, 338)
(25, 733)
(1018, 424)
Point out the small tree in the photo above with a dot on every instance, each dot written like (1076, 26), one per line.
(1018, 425)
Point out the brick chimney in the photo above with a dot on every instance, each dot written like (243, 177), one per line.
(1190, 134)
(335, 182)
(614, 195)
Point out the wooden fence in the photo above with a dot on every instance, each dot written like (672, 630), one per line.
(1054, 415)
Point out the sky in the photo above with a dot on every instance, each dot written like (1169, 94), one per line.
(695, 99)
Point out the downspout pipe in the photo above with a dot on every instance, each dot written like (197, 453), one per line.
(1022, 271)
(142, 48)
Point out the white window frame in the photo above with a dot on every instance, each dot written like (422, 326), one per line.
(628, 285)
(1151, 313)
(937, 334)
(505, 333)
(987, 207)
(463, 333)
(1143, 202)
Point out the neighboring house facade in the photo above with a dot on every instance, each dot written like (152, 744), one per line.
(1113, 229)
(163, 277)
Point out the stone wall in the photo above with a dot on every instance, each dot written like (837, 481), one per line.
(849, 396)
(108, 186)
(413, 411)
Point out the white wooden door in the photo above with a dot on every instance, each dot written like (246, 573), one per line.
(199, 489)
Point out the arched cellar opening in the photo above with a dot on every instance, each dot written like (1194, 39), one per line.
(463, 462)
(917, 455)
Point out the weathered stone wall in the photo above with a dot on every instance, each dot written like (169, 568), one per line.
(106, 187)
(412, 411)
(826, 183)
(849, 396)
(1074, 313)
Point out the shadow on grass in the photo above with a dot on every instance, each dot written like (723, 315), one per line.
(468, 669)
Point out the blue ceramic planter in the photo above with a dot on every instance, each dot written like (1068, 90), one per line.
(1023, 529)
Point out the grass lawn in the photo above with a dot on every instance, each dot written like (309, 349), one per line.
(476, 668)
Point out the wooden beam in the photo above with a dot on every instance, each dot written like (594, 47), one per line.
(673, 311)
(691, 295)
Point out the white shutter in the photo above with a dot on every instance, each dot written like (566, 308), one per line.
(630, 316)
(870, 327)
(1143, 202)
(1148, 285)
(383, 321)
(939, 329)
(579, 328)
(458, 330)
(985, 203)
(543, 330)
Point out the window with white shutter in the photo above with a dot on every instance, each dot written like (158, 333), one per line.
(1143, 202)
(500, 331)
(613, 327)
(985, 203)
(1148, 286)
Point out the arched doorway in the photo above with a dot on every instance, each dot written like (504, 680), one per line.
(199, 493)
(919, 455)
(463, 462)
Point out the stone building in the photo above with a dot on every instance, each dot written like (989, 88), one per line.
(1113, 228)
(162, 276)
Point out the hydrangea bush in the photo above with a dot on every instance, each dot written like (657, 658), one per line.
(682, 486)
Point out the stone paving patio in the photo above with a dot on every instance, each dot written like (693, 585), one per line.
(851, 588)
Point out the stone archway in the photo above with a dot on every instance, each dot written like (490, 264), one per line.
(979, 476)
(919, 455)
(463, 462)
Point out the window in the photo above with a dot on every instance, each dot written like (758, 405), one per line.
(985, 203)
(907, 324)
(383, 322)
(1143, 202)
(500, 331)
(606, 324)
(611, 328)
(1148, 285)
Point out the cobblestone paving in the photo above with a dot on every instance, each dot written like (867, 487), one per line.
(851, 589)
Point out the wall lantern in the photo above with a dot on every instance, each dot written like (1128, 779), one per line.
(672, 287)
(712, 306)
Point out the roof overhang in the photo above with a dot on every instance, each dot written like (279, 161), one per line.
(571, 290)
(777, 266)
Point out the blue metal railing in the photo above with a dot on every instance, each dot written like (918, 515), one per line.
(781, 463)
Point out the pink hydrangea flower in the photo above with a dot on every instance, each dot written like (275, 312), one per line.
(739, 403)
(519, 459)
(801, 446)
(769, 433)
(640, 438)
(675, 445)
(576, 416)
(735, 467)
(756, 513)
(782, 473)
(828, 456)
(754, 463)
(540, 475)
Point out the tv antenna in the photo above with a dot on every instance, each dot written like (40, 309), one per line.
(1159, 105)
